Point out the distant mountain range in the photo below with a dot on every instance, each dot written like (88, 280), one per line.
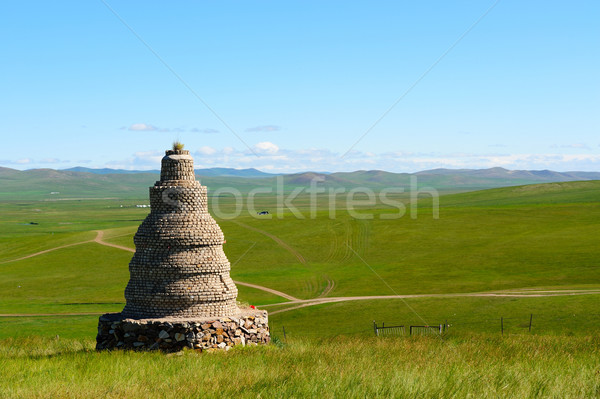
(447, 179)
(200, 172)
(516, 174)
(102, 183)
(374, 175)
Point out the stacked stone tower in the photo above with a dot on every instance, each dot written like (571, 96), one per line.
(180, 292)
(179, 268)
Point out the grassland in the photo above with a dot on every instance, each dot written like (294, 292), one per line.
(482, 366)
(508, 240)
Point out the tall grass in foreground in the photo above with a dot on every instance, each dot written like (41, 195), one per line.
(481, 366)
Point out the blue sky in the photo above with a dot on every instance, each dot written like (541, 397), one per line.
(294, 85)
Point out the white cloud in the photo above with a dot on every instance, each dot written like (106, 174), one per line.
(275, 159)
(51, 160)
(206, 150)
(142, 127)
(264, 128)
(140, 160)
(145, 157)
(206, 130)
(22, 161)
(146, 127)
(579, 146)
(266, 147)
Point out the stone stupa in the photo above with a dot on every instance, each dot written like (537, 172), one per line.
(180, 293)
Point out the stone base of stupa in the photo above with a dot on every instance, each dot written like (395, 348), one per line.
(249, 327)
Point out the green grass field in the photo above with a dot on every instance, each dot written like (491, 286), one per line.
(481, 366)
(540, 237)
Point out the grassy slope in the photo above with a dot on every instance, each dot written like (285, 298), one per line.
(80, 278)
(502, 238)
(543, 235)
(38, 184)
(565, 315)
(482, 367)
(60, 222)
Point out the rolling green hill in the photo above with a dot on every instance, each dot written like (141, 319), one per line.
(500, 239)
(532, 194)
(50, 184)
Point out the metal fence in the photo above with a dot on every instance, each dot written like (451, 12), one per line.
(426, 330)
(389, 330)
(383, 330)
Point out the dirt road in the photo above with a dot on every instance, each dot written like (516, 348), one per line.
(301, 303)
(100, 235)
(45, 251)
(511, 294)
(99, 240)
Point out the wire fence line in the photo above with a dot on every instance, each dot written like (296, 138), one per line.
(524, 323)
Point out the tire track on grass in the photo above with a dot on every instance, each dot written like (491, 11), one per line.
(330, 286)
(278, 240)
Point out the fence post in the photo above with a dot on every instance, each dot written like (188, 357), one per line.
(502, 325)
(530, 320)
(284, 336)
(445, 324)
(375, 328)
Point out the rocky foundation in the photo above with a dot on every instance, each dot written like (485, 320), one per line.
(171, 335)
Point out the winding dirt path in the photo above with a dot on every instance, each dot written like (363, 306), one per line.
(516, 294)
(272, 291)
(302, 303)
(99, 240)
(100, 235)
(46, 251)
(278, 240)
